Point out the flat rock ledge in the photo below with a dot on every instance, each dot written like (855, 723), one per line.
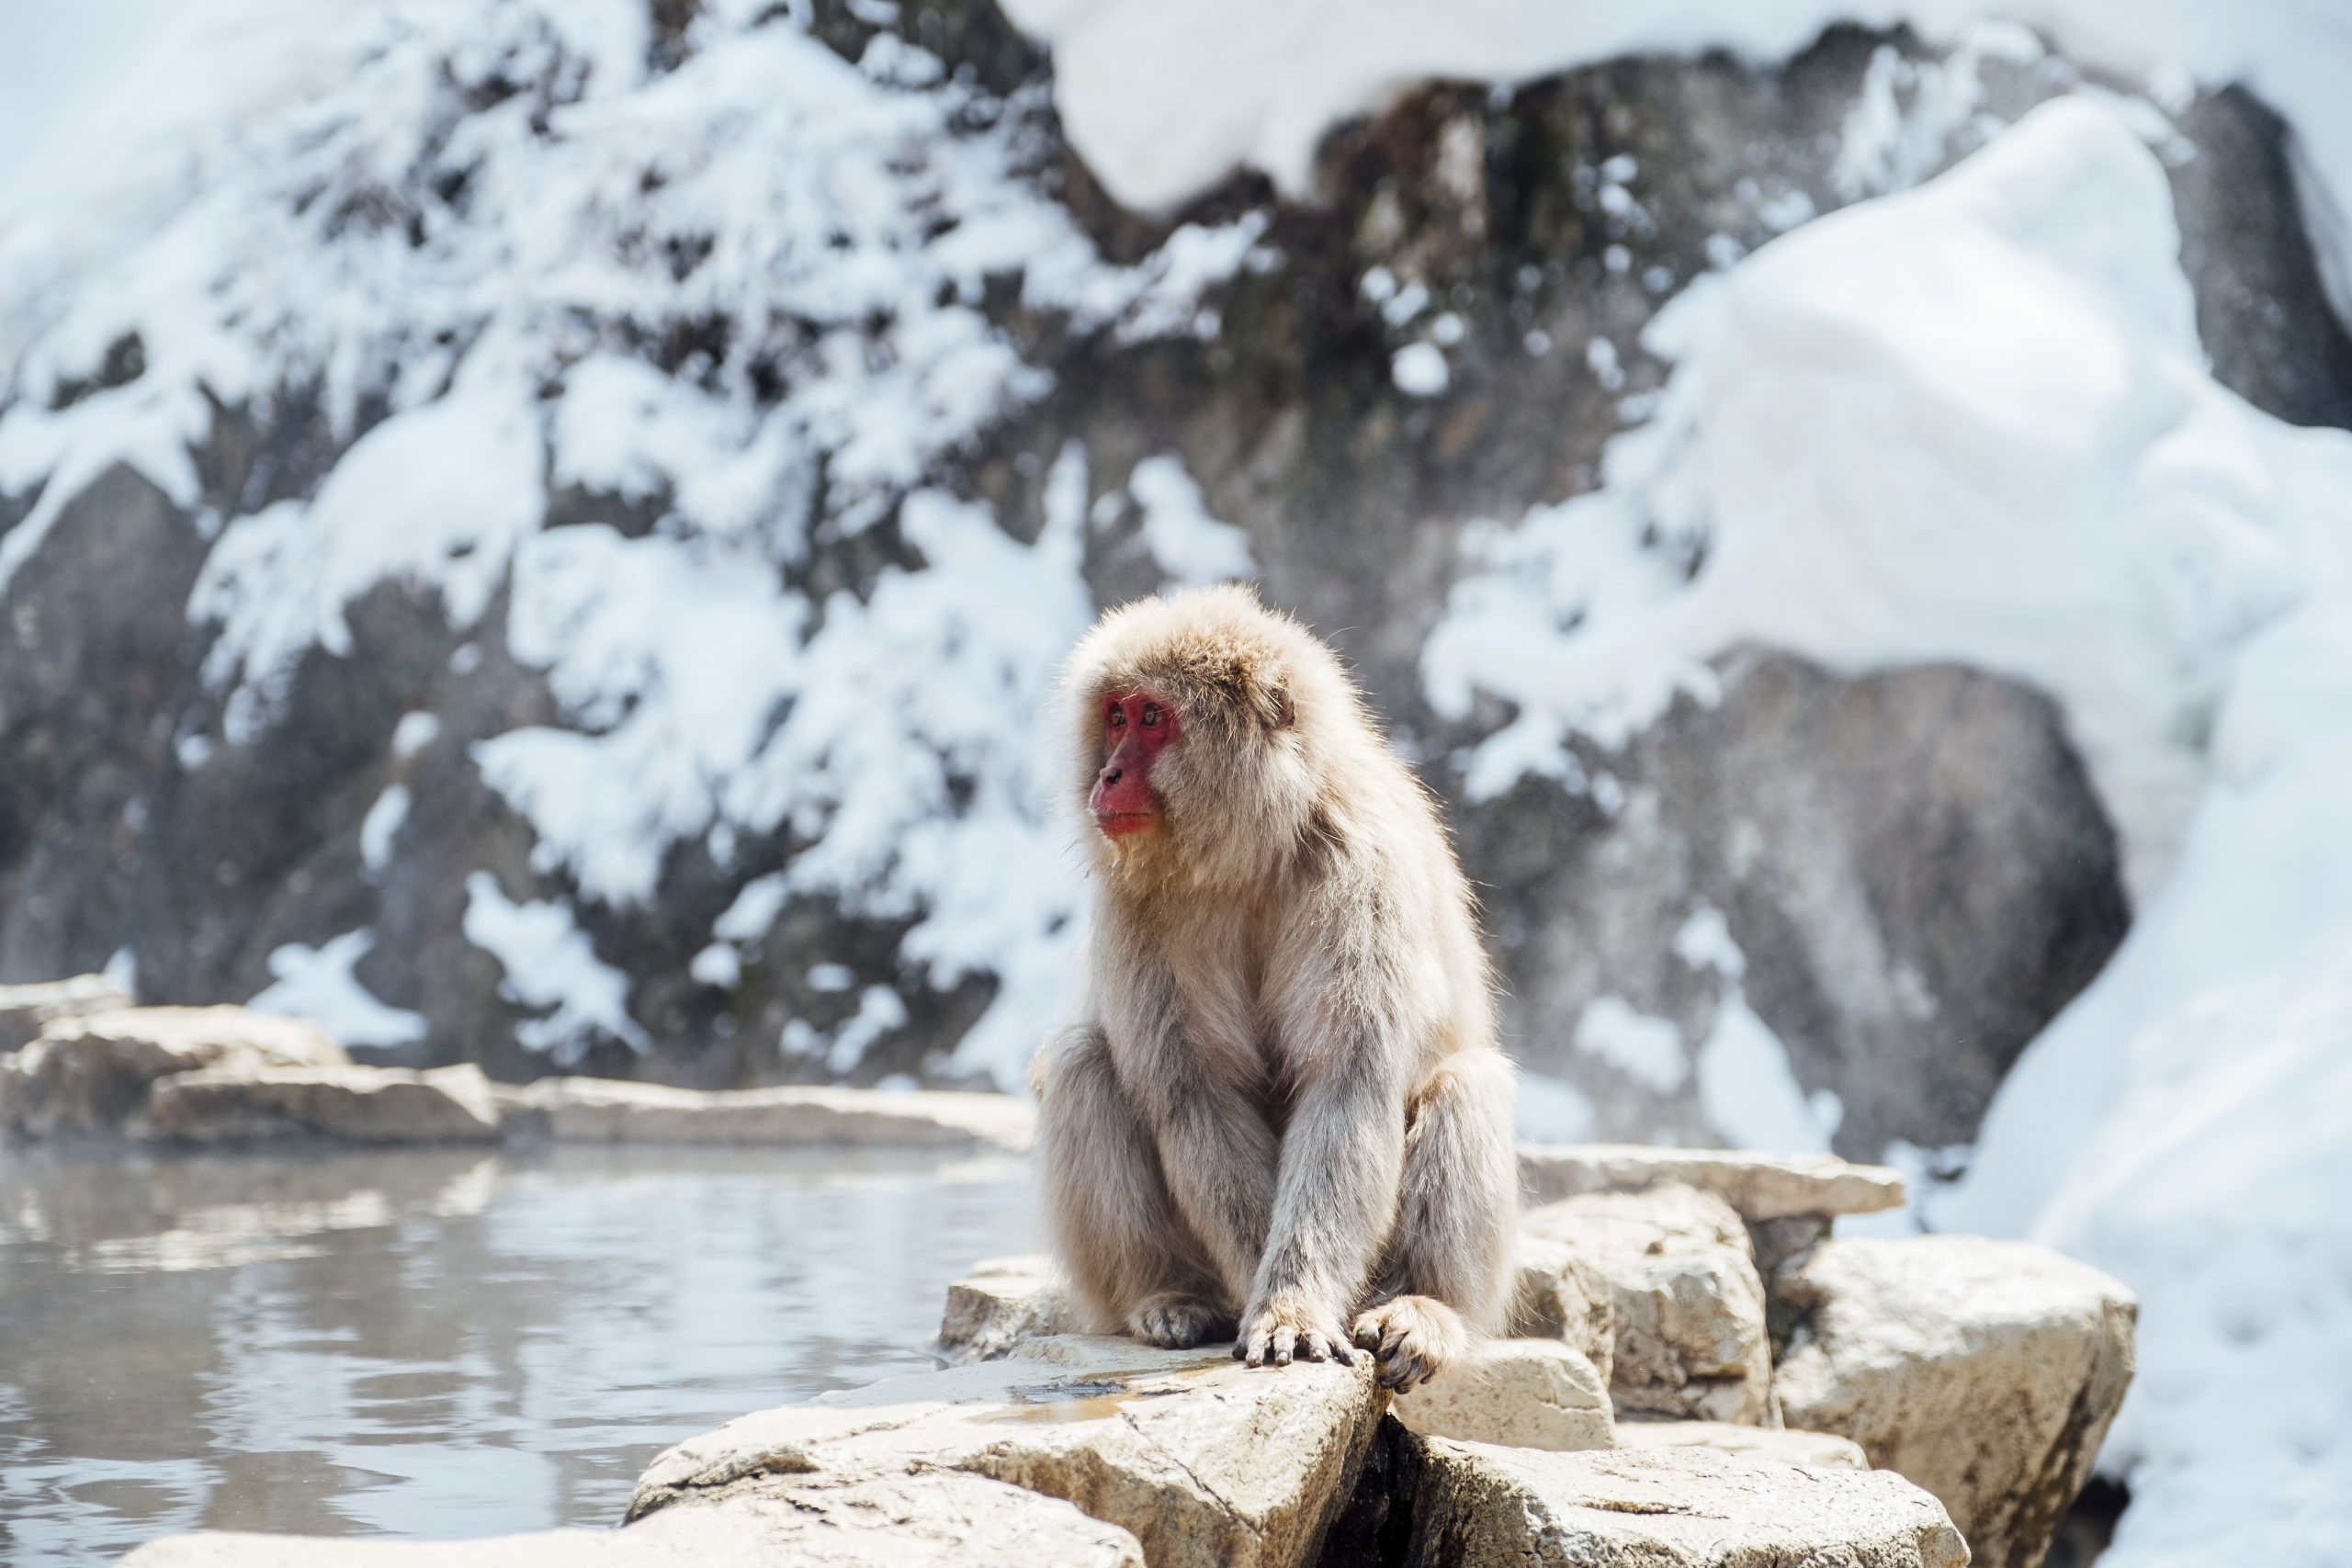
(26, 1011)
(1759, 1187)
(227, 1076)
(1479, 1504)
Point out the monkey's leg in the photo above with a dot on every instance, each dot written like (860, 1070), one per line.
(1128, 1252)
(1448, 1265)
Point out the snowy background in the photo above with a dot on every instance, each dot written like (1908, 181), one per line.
(714, 381)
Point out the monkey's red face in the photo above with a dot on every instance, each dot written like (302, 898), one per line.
(1137, 727)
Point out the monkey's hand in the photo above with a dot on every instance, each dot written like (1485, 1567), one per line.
(1415, 1337)
(1275, 1330)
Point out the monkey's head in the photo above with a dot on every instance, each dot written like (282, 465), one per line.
(1199, 741)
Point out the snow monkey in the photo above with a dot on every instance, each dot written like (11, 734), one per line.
(1283, 1112)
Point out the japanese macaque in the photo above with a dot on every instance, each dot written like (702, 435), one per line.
(1282, 1117)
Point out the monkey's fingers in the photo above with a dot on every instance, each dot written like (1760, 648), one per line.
(1258, 1346)
(1317, 1346)
(1285, 1342)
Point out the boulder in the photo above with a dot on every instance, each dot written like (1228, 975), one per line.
(359, 1105)
(1205, 1461)
(614, 1110)
(1758, 1186)
(87, 1074)
(1563, 1294)
(1821, 1451)
(1528, 1394)
(1686, 1302)
(1987, 1372)
(26, 1011)
(944, 1521)
(1479, 1506)
(1001, 1304)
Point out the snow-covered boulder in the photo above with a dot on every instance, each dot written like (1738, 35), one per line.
(1687, 1306)
(1480, 1506)
(348, 1104)
(1987, 1372)
(88, 1075)
(1207, 1461)
(26, 1011)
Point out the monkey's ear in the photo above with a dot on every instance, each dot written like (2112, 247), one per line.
(1278, 705)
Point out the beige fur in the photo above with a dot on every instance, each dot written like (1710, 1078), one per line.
(1284, 1109)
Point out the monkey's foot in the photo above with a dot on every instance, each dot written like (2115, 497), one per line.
(1284, 1328)
(1415, 1338)
(1174, 1321)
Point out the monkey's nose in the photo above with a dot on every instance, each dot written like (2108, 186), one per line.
(1112, 775)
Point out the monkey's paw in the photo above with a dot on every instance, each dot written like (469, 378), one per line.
(1177, 1322)
(1274, 1332)
(1415, 1338)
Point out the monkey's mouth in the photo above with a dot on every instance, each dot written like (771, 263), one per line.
(1119, 824)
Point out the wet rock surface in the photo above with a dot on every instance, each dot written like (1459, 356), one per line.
(1987, 1372)
(355, 1105)
(90, 1075)
(1207, 1461)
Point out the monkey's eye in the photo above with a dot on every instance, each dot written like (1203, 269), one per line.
(1116, 719)
(1150, 715)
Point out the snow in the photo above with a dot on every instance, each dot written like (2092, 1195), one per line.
(1646, 1049)
(1164, 97)
(1420, 370)
(552, 970)
(1972, 422)
(380, 829)
(1190, 545)
(318, 983)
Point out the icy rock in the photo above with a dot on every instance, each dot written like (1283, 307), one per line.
(1004, 1303)
(26, 1011)
(612, 1111)
(87, 1074)
(1686, 1302)
(944, 1521)
(359, 1105)
(1818, 1450)
(1759, 1186)
(1528, 1394)
(1475, 1505)
(1987, 1372)
(1207, 1461)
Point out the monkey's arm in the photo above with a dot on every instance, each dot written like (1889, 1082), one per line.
(1217, 1152)
(1335, 1199)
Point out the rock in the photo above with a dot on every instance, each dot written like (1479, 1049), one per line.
(86, 1074)
(1004, 1302)
(1759, 1186)
(943, 1520)
(1207, 1461)
(1821, 1451)
(1987, 1372)
(360, 1105)
(613, 1111)
(1686, 1303)
(1478, 1506)
(26, 1011)
(1563, 1294)
(1528, 1394)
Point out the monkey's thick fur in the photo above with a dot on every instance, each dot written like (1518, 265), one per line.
(1284, 1111)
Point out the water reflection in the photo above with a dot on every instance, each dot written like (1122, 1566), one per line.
(437, 1343)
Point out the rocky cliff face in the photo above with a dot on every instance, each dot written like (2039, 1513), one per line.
(623, 487)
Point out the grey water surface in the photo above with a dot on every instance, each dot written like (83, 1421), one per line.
(437, 1343)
